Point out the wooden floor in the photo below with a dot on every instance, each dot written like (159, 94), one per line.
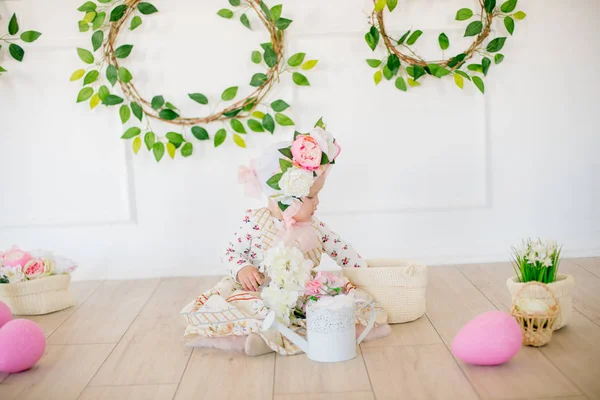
(123, 341)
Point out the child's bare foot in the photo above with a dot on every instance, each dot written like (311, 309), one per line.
(256, 346)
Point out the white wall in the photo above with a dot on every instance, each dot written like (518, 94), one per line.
(437, 174)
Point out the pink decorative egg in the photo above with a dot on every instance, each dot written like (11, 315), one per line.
(491, 338)
(22, 344)
(5, 314)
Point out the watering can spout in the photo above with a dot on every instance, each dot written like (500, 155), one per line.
(271, 322)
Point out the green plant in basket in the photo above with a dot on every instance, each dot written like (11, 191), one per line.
(537, 260)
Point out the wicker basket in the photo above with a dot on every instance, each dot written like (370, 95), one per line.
(39, 296)
(398, 286)
(537, 329)
(562, 288)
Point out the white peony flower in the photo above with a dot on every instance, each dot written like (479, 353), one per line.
(325, 141)
(296, 182)
(533, 306)
(281, 301)
(14, 274)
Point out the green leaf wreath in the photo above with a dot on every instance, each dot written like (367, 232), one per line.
(407, 67)
(105, 69)
(13, 37)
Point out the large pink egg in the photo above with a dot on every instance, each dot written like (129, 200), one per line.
(491, 338)
(22, 344)
(5, 314)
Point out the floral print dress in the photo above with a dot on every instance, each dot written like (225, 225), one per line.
(228, 310)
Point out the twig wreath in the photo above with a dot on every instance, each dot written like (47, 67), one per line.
(401, 59)
(16, 51)
(110, 65)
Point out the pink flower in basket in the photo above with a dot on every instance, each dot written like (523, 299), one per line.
(34, 269)
(15, 256)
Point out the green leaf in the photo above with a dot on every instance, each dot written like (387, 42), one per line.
(379, 5)
(85, 55)
(175, 138)
(418, 72)
(489, 5)
(479, 83)
(273, 181)
(89, 17)
(158, 149)
(187, 149)
(287, 152)
(86, 7)
(85, 94)
(149, 140)
(97, 39)
(255, 126)
(372, 38)
(200, 133)
(464, 14)
(413, 37)
(283, 23)
(403, 38)
(225, 13)
(237, 126)
(3, 70)
(235, 3)
(135, 22)
(258, 79)
(124, 75)
(137, 145)
(276, 12)
(111, 74)
(485, 65)
(94, 101)
(245, 21)
(475, 67)
(393, 63)
(401, 84)
(171, 149)
(392, 4)
(509, 23)
(83, 27)
(16, 51)
(131, 133)
(13, 25)
(258, 114)
(99, 20)
(474, 28)
(124, 113)
(123, 51)
(112, 100)
(77, 75)
(157, 102)
(229, 93)
(117, 13)
(413, 83)
(137, 111)
(91, 77)
(232, 113)
(168, 114)
(256, 57)
(220, 137)
(508, 6)
(454, 61)
(103, 93)
(30, 36)
(377, 77)
(438, 71)
(460, 82)
(265, 10)
(237, 139)
(268, 123)
(373, 63)
(498, 58)
(279, 105)
(198, 98)
(443, 41)
(284, 165)
(146, 8)
(296, 59)
(387, 73)
(463, 74)
(171, 106)
(300, 79)
(496, 45)
(520, 15)
(283, 120)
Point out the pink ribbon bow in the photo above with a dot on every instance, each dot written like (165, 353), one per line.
(293, 232)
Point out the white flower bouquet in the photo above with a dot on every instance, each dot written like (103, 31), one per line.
(537, 261)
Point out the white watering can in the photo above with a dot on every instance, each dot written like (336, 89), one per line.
(330, 329)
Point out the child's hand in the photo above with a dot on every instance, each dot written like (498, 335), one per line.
(250, 278)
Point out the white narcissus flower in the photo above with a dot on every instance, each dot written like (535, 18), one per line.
(296, 182)
(325, 142)
(14, 274)
(533, 306)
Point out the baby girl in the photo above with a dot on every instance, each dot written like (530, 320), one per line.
(291, 175)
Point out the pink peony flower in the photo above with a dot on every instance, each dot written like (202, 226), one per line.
(34, 269)
(313, 287)
(307, 153)
(15, 256)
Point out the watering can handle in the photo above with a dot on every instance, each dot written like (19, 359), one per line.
(371, 321)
